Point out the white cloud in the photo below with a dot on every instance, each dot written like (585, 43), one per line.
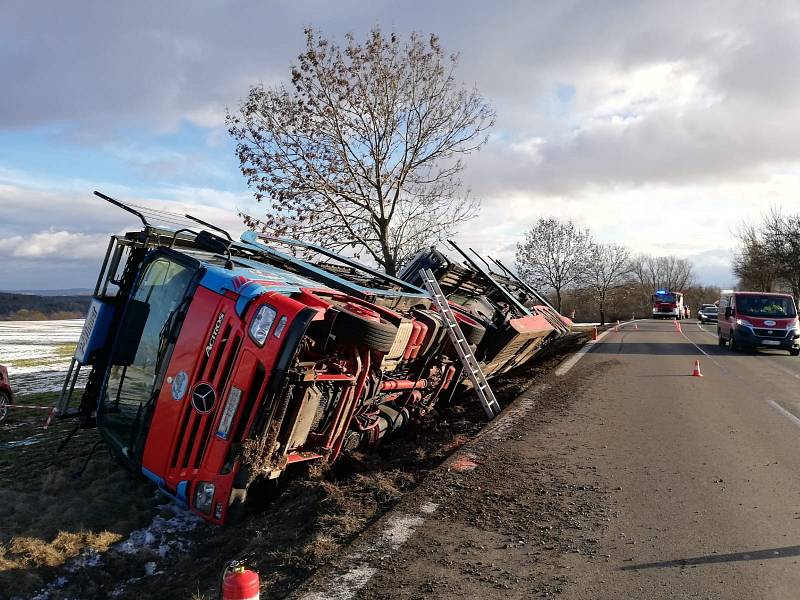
(52, 244)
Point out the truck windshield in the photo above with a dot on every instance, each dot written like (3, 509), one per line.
(162, 286)
(777, 307)
(670, 298)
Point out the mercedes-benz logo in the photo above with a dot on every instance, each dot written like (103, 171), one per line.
(203, 398)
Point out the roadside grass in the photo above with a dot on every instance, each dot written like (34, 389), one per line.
(59, 353)
(49, 516)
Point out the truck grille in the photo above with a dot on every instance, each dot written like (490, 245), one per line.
(194, 431)
(776, 333)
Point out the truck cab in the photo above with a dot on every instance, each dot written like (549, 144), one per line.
(749, 320)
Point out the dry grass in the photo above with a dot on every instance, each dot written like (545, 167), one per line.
(49, 517)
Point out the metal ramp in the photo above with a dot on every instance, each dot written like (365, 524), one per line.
(471, 366)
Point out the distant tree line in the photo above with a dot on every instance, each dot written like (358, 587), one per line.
(601, 281)
(28, 307)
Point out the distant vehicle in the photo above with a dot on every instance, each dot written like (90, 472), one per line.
(6, 395)
(667, 305)
(758, 320)
(708, 314)
(702, 306)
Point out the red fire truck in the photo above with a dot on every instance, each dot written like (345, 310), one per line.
(667, 305)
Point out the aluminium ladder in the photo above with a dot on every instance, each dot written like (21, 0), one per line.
(471, 365)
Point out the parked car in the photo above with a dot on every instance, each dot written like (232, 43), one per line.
(6, 395)
(708, 314)
(758, 320)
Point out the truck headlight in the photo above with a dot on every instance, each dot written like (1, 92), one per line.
(743, 322)
(262, 323)
(204, 496)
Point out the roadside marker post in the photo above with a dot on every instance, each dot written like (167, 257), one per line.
(594, 333)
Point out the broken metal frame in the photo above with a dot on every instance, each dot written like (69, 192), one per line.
(500, 287)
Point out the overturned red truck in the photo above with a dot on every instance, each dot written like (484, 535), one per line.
(216, 362)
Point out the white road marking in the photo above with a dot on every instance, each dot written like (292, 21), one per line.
(784, 412)
(700, 327)
(565, 366)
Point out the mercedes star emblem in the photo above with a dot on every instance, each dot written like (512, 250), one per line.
(203, 398)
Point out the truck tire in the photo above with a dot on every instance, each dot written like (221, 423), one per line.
(472, 330)
(732, 343)
(4, 402)
(350, 327)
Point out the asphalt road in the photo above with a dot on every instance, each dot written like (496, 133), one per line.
(705, 471)
(622, 477)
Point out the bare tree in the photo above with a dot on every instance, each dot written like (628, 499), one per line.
(779, 243)
(554, 254)
(662, 272)
(752, 264)
(365, 148)
(607, 269)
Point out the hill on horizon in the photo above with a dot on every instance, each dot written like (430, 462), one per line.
(17, 306)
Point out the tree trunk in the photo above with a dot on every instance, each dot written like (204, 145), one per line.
(602, 315)
(558, 300)
(389, 262)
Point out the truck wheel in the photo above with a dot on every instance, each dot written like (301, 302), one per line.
(732, 343)
(351, 327)
(472, 330)
(4, 402)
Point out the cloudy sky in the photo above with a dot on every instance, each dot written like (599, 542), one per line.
(660, 125)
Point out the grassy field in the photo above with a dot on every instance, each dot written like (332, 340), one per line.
(59, 353)
(50, 517)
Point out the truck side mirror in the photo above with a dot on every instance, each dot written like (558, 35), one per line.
(728, 312)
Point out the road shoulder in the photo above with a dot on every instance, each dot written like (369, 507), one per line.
(495, 520)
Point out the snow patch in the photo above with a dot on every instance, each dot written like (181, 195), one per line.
(162, 536)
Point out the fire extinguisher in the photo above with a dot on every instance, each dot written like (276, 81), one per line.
(238, 582)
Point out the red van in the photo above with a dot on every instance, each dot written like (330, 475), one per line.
(758, 320)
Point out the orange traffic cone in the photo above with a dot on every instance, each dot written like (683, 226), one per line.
(696, 372)
(594, 333)
(679, 328)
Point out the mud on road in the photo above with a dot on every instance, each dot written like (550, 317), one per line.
(110, 535)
